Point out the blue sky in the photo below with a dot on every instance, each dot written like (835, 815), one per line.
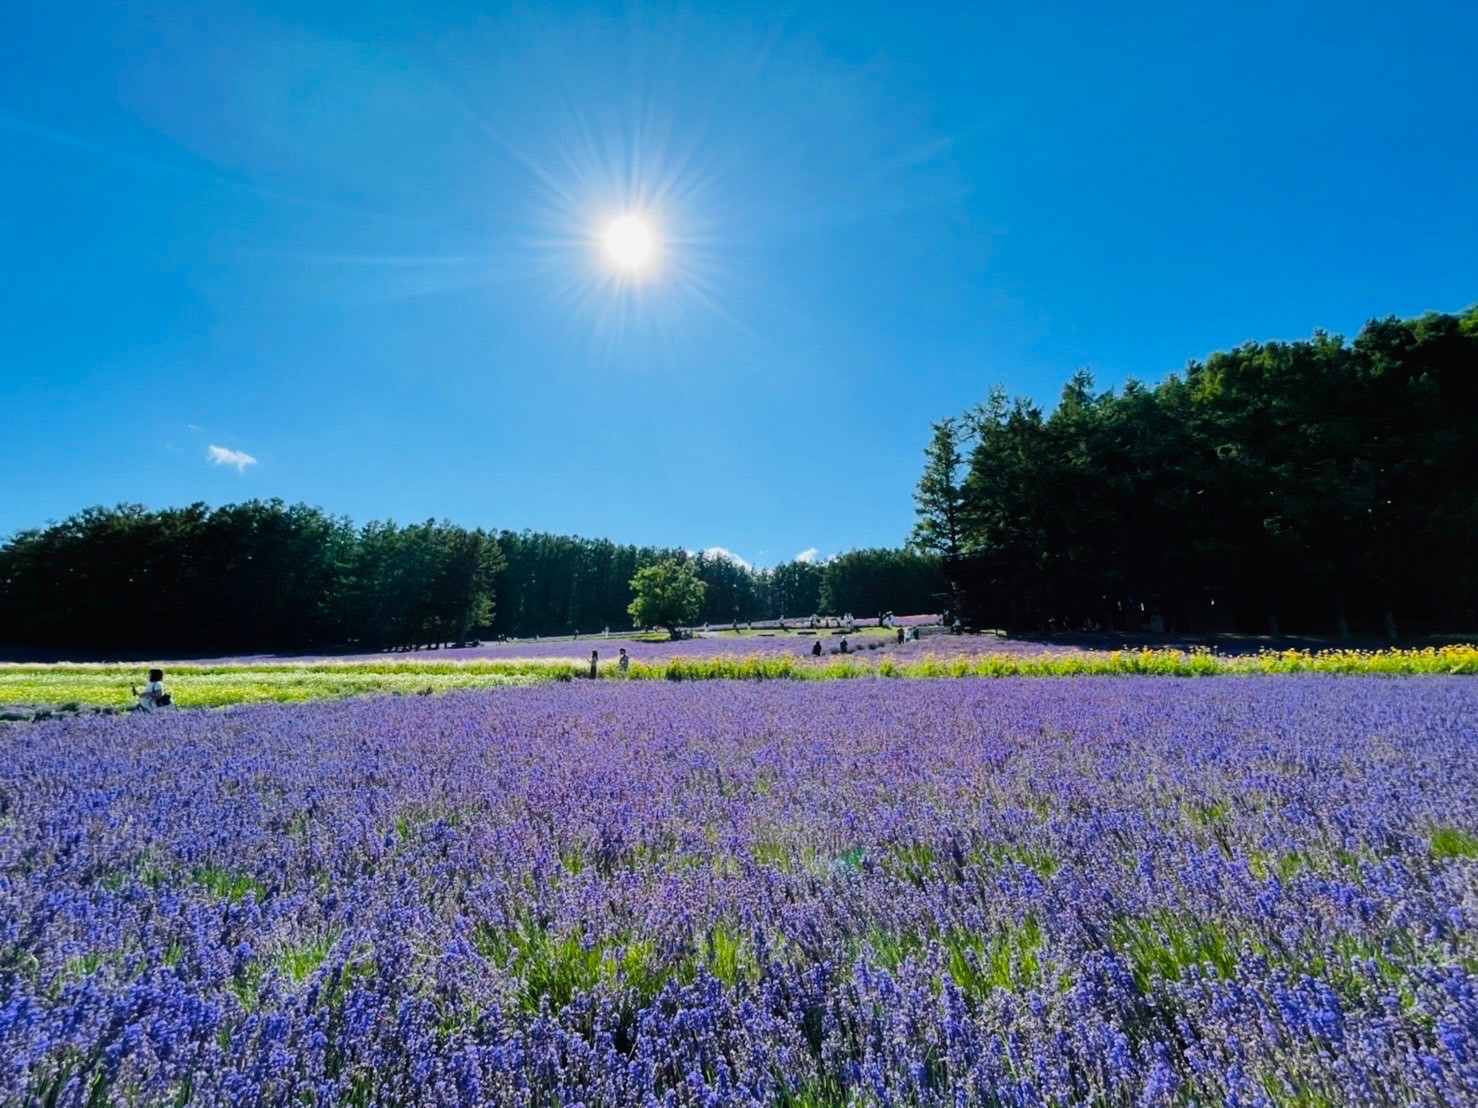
(359, 244)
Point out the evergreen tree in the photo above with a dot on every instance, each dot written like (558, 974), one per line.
(1322, 485)
(940, 500)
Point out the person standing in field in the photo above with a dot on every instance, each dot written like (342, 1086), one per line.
(623, 663)
(154, 694)
(594, 662)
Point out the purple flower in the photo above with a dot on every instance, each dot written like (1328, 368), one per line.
(932, 893)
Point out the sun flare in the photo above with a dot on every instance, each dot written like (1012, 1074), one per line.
(629, 242)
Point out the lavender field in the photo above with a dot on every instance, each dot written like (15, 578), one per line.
(1101, 890)
(656, 648)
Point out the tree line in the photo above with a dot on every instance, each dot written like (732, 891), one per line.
(264, 576)
(1318, 485)
(557, 584)
(258, 576)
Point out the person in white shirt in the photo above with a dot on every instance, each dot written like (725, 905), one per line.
(153, 695)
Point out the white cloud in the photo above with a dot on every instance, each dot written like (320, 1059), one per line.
(720, 552)
(191, 427)
(807, 555)
(220, 456)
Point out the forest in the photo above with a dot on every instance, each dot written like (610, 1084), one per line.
(1318, 486)
(264, 576)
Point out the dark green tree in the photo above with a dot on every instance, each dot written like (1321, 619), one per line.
(1274, 486)
(794, 590)
(865, 582)
(940, 500)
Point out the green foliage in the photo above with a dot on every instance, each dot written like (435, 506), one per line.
(1166, 945)
(263, 577)
(668, 594)
(729, 589)
(1454, 659)
(865, 581)
(219, 685)
(253, 576)
(298, 963)
(824, 1092)
(227, 884)
(554, 968)
(1275, 485)
(428, 583)
(556, 584)
(1009, 958)
(940, 502)
(1454, 842)
(795, 589)
(215, 686)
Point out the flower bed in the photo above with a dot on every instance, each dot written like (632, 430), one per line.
(856, 892)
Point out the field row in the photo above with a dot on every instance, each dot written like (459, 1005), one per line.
(217, 685)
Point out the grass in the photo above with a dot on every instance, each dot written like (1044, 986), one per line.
(212, 686)
(1166, 945)
(555, 968)
(207, 686)
(225, 884)
(1453, 842)
(300, 962)
(1009, 958)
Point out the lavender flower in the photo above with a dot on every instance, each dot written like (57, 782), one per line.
(856, 892)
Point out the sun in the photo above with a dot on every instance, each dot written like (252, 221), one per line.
(629, 242)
